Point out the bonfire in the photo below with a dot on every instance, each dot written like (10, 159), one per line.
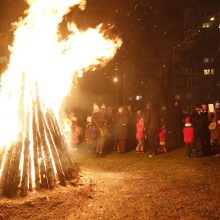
(34, 153)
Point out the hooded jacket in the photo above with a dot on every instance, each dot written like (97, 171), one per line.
(188, 133)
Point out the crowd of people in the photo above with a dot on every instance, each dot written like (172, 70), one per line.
(147, 130)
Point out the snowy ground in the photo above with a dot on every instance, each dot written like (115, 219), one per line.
(129, 186)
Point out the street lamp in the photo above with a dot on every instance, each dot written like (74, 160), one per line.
(115, 80)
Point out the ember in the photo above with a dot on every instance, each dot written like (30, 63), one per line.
(34, 152)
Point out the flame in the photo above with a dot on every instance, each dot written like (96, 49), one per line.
(37, 56)
(39, 59)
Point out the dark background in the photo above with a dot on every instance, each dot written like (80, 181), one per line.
(149, 30)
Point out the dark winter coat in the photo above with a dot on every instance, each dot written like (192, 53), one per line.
(203, 125)
(152, 120)
(99, 122)
(121, 126)
(90, 133)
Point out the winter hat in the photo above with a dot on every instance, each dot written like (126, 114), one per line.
(89, 119)
(120, 109)
(103, 106)
(74, 119)
(187, 120)
(95, 108)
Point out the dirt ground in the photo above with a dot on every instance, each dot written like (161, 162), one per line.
(129, 186)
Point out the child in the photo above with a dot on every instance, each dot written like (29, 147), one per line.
(90, 136)
(188, 133)
(162, 136)
(140, 133)
(76, 134)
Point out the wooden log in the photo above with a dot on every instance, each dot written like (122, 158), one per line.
(61, 175)
(25, 175)
(43, 173)
(24, 181)
(35, 150)
(30, 176)
(61, 147)
(5, 166)
(12, 179)
(73, 168)
(45, 147)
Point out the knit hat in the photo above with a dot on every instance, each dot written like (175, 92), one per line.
(74, 119)
(103, 106)
(187, 120)
(96, 108)
(89, 119)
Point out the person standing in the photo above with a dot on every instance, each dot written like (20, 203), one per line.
(131, 128)
(214, 128)
(152, 124)
(102, 133)
(140, 132)
(176, 123)
(76, 134)
(204, 132)
(90, 136)
(162, 136)
(188, 137)
(121, 125)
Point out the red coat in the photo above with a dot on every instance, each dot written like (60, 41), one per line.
(140, 129)
(162, 135)
(188, 133)
(76, 133)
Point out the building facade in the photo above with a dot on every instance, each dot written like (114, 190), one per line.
(196, 58)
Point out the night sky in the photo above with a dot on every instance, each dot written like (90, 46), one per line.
(149, 29)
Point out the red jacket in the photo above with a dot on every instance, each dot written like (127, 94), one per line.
(162, 135)
(76, 133)
(188, 133)
(140, 129)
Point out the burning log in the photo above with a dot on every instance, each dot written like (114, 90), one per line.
(43, 173)
(35, 150)
(12, 178)
(26, 163)
(70, 168)
(5, 166)
(45, 148)
(57, 137)
(46, 154)
(55, 154)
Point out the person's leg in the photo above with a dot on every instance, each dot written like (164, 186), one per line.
(187, 148)
(138, 145)
(153, 142)
(150, 143)
(98, 144)
(142, 146)
(122, 145)
(164, 149)
(102, 144)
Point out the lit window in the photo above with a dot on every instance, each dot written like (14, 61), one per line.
(206, 25)
(138, 97)
(208, 60)
(208, 72)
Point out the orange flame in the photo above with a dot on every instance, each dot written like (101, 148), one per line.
(37, 56)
